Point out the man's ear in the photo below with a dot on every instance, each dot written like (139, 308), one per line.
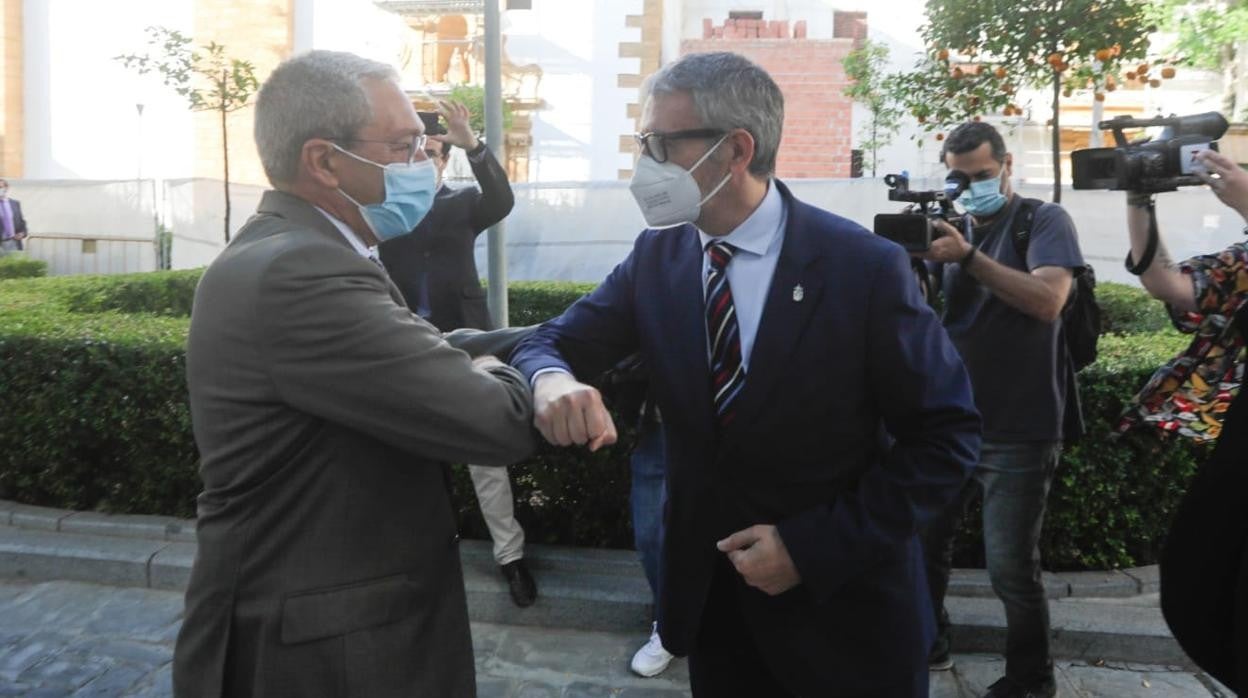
(1008, 169)
(316, 159)
(742, 147)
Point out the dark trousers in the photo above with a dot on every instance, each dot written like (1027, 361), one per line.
(1204, 564)
(725, 661)
(646, 500)
(1013, 478)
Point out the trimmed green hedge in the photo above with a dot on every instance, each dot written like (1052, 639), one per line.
(16, 265)
(96, 365)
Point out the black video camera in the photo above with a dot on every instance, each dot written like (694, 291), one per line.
(432, 126)
(1162, 164)
(913, 229)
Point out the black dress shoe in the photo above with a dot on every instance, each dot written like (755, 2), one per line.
(1008, 688)
(520, 583)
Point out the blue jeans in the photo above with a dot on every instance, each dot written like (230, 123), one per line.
(647, 498)
(1013, 478)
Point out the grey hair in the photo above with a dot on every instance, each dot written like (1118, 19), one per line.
(728, 91)
(313, 95)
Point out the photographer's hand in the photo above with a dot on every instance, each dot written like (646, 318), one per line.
(458, 128)
(1228, 180)
(950, 247)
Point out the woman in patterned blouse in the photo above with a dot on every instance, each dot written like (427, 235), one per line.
(1204, 566)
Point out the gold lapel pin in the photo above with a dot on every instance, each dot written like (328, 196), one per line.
(798, 293)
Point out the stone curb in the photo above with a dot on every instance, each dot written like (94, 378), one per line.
(1095, 615)
(964, 582)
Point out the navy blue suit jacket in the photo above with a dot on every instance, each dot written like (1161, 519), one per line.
(855, 428)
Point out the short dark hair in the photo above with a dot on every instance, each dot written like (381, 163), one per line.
(970, 136)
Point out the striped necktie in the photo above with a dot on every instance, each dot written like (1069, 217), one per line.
(727, 373)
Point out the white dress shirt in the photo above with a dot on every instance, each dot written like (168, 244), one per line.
(758, 240)
(356, 243)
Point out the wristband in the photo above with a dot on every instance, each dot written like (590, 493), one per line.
(966, 261)
(1150, 249)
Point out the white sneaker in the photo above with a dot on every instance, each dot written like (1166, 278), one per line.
(651, 659)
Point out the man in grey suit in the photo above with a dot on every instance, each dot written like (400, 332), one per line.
(324, 411)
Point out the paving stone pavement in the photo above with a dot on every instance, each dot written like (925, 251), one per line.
(75, 639)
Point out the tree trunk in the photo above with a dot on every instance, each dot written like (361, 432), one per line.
(875, 144)
(225, 156)
(1057, 138)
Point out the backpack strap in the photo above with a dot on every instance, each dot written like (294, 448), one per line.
(1020, 227)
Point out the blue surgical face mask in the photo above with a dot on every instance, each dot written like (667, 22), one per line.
(410, 187)
(983, 198)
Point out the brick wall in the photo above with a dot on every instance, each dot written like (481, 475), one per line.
(12, 132)
(255, 30)
(818, 124)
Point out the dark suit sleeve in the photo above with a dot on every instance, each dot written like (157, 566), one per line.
(923, 395)
(340, 348)
(496, 198)
(19, 221)
(589, 337)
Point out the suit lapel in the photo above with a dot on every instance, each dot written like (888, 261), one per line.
(791, 301)
(296, 210)
(687, 327)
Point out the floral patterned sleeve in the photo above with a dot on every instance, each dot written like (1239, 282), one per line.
(1220, 282)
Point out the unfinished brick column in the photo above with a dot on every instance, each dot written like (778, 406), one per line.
(818, 124)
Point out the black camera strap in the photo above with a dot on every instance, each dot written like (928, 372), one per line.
(1150, 249)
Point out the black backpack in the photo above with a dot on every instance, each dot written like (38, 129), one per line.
(1081, 316)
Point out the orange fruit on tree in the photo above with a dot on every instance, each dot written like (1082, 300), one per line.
(1142, 70)
(1061, 67)
(1116, 49)
(999, 72)
(1054, 59)
(1104, 54)
(943, 54)
(957, 73)
(1130, 74)
(1167, 72)
(940, 136)
(1154, 83)
(1099, 96)
(1110, 87)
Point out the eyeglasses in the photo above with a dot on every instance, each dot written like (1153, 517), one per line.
(408, 148)
(654, 143)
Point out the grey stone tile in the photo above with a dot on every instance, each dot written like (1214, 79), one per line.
(536, 689)
(585, 689)
(644, 692)
(117, 681)
(1112, 682)
(140, 614)
(492, 687)
(73, 669)
(23, 653)
(158, 684)
(145, 656)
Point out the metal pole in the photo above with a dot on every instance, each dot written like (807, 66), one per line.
(494, 137)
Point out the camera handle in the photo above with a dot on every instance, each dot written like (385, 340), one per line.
(1150, 250)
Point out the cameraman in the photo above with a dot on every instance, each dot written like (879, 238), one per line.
(1204, 568)
(1003, 305)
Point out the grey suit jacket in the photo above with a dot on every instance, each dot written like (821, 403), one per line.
(324, 411)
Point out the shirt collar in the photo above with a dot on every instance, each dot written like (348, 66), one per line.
(757, 233)
(356, 244)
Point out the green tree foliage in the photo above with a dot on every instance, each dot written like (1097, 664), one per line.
(1211, 35)
(473, 97)
(865, 66)
(980, 52)
(206, 77)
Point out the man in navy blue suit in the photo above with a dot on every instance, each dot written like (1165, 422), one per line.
(815, 413)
